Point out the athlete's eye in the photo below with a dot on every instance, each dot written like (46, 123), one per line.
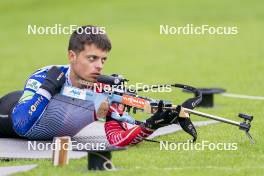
(103, 59)
(92, 58)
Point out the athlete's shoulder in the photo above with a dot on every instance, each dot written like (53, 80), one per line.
(36, 79)
(43, 71)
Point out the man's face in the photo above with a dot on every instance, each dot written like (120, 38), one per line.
(88, 64)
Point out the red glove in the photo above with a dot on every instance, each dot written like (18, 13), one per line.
(118, 134)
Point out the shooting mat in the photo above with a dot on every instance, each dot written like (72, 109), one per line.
(93, 133)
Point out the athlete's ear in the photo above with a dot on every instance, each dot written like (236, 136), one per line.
(72, 56)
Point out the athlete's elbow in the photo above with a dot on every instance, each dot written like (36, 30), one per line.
(20, 122)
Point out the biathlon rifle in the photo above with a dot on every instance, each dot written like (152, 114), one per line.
(131, 100)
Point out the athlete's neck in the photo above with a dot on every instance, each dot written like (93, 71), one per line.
(74, 79)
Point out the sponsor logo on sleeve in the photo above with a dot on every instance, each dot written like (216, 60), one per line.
(33, 84)
(34, 107)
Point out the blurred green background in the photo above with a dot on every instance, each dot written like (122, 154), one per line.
(141, 54)
(139, 51)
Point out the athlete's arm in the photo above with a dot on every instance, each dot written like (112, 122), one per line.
(117, 132)
(119, 135)
(39, 89)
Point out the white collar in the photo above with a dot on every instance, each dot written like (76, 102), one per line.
(67, 75)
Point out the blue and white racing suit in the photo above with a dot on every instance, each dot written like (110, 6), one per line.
(39, 116)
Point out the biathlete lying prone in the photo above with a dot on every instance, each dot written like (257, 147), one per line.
(39, 112)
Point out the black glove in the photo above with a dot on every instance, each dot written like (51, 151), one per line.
(162, 118)
(53, 81)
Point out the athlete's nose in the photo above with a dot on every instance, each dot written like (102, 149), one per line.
(99, 65)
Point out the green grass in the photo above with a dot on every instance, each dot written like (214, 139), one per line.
(143, 55)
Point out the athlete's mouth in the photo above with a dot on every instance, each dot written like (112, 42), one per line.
(95, 75)
(89, 81)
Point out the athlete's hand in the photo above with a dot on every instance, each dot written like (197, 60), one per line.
(53, 81)
(161, 118)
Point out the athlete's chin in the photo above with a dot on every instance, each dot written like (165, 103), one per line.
(93, 78)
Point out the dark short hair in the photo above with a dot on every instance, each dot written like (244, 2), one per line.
(87, 35)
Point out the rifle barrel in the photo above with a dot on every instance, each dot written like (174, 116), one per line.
(214, 117)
